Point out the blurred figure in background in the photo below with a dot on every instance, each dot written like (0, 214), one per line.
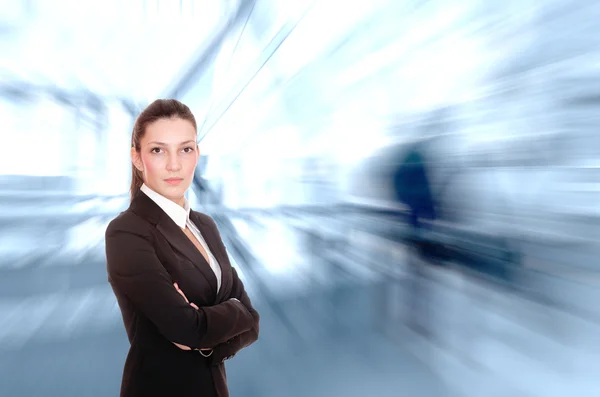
(412, 188)
(159, 248)
(416, 188)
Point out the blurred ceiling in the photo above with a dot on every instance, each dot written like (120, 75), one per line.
(130, 50)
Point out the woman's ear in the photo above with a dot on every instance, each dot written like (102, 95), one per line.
(136, 160)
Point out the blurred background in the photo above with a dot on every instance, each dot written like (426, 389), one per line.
(410, 190)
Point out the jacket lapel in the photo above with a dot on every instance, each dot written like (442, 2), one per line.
(212, 240)
(149, 210)
(177, 238)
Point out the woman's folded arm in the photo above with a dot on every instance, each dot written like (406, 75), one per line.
(135, 272)
(232, 346)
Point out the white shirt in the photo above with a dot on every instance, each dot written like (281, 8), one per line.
(181, 216)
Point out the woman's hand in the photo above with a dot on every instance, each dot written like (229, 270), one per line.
(183, 347)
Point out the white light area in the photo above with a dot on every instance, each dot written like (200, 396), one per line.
(242, 228)
(84, 236)
(357, 148)
(12, 12)
(337, 17)
(260, 85)
(417, 30)
(28, 59)
(250, 51)
(15, 138)
(234, 66)
(87, 170)
(229, 134)
(421, 83)
(214, 167)
(280, 142)
(35, 142)
(117, 173)
(236, 129)
(274, 15)
(278, 249)
(111, 48)
(237, 60)
(223, 79)
(258, 181)
(349, 140)
(258, 171)
(439, 85)
(278, 257)
(324, 25)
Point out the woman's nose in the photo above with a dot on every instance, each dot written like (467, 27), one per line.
(174, 163)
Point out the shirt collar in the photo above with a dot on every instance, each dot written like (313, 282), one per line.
(178, 214)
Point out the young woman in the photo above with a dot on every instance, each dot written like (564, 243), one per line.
(184, 307)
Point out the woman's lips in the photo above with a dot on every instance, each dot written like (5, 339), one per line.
(173, 181)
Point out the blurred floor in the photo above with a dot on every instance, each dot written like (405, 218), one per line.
(354, 362)
(61, 332)
(335, 321)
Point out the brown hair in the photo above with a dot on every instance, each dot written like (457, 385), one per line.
(159, 109)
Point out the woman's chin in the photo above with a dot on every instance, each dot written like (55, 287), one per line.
(174, 192)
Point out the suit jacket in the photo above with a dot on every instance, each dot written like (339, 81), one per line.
(146, 253)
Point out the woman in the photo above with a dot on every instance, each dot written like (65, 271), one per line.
(184, 307)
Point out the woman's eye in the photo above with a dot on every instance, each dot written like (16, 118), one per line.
(188, 149)
(155, 150)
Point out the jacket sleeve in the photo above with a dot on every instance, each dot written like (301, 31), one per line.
(134, 271)
(228, 349)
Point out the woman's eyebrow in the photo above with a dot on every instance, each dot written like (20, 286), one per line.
(164, 144)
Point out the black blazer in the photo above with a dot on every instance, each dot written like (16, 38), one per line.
(146, 252)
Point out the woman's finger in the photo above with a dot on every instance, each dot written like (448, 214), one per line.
(182, 347)
(185, 297)
(181, 292)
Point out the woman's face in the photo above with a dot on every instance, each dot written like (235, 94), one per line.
(168, 156)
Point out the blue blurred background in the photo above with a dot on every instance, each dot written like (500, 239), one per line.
(410, 190)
